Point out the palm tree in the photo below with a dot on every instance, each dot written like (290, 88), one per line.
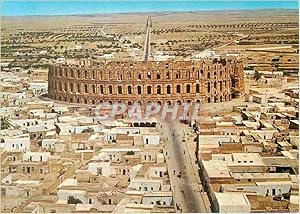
(257, 76)
(5, 122)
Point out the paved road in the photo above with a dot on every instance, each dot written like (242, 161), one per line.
(148, 39)
(187, 189)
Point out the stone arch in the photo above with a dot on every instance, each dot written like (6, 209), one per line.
(139, 89)
(129, 89)
(197, 88)
(178, 89)
(158, 89)
(149, 89)
(129, 103)
(85, 74)
(178, 102)
(188, 88)
(110, 89)
(71, 87)
(208, 87)
(169, 102)
(158, 76)
(78, 87)
(65, 86)
(168, 89)
(101, 89)
(120, 89)
(94, 88)
(60, 86)
(86, 90)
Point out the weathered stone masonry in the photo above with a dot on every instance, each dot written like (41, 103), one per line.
(201, 81)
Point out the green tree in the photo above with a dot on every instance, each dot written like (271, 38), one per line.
(88, 130)
(257, 76)
(5, 122)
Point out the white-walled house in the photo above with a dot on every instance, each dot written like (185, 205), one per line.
(232, 203)
(36, 156)
(49, 143)
(16, 143)
(260, 188)
(158, 198)
(143, 184)
(151, 139)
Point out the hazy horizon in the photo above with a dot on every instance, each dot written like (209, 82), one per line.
(52, 8)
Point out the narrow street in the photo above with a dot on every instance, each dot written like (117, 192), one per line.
(147, 39)
(183, 171)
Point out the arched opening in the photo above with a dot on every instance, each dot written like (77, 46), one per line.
(85, 74)
(198, 101)
(72, 73)
(86, 88)
(158, 89)
(60, 86)
(188, 88)
(101, 89)
(215, 99)
(110, 89)
(159, 103)
(169, 102)
(140, 76)
(208, 87)
(188, 101)
(149, 89)
(129, 89)
(158, 76)
(168, 89)
(197, 88)
(119, 89)
(215, 84)
(208, 75)
(78, 74)
(178, 89)
(72, 87)
(139, 89)
(167, 75)
(78, 87)
(65, 86)
(178, 102)
(94, 89)
(129, 103)
(94, 74)
(208, 100)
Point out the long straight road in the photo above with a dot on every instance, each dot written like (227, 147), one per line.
(187, 188)
(148, 39)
